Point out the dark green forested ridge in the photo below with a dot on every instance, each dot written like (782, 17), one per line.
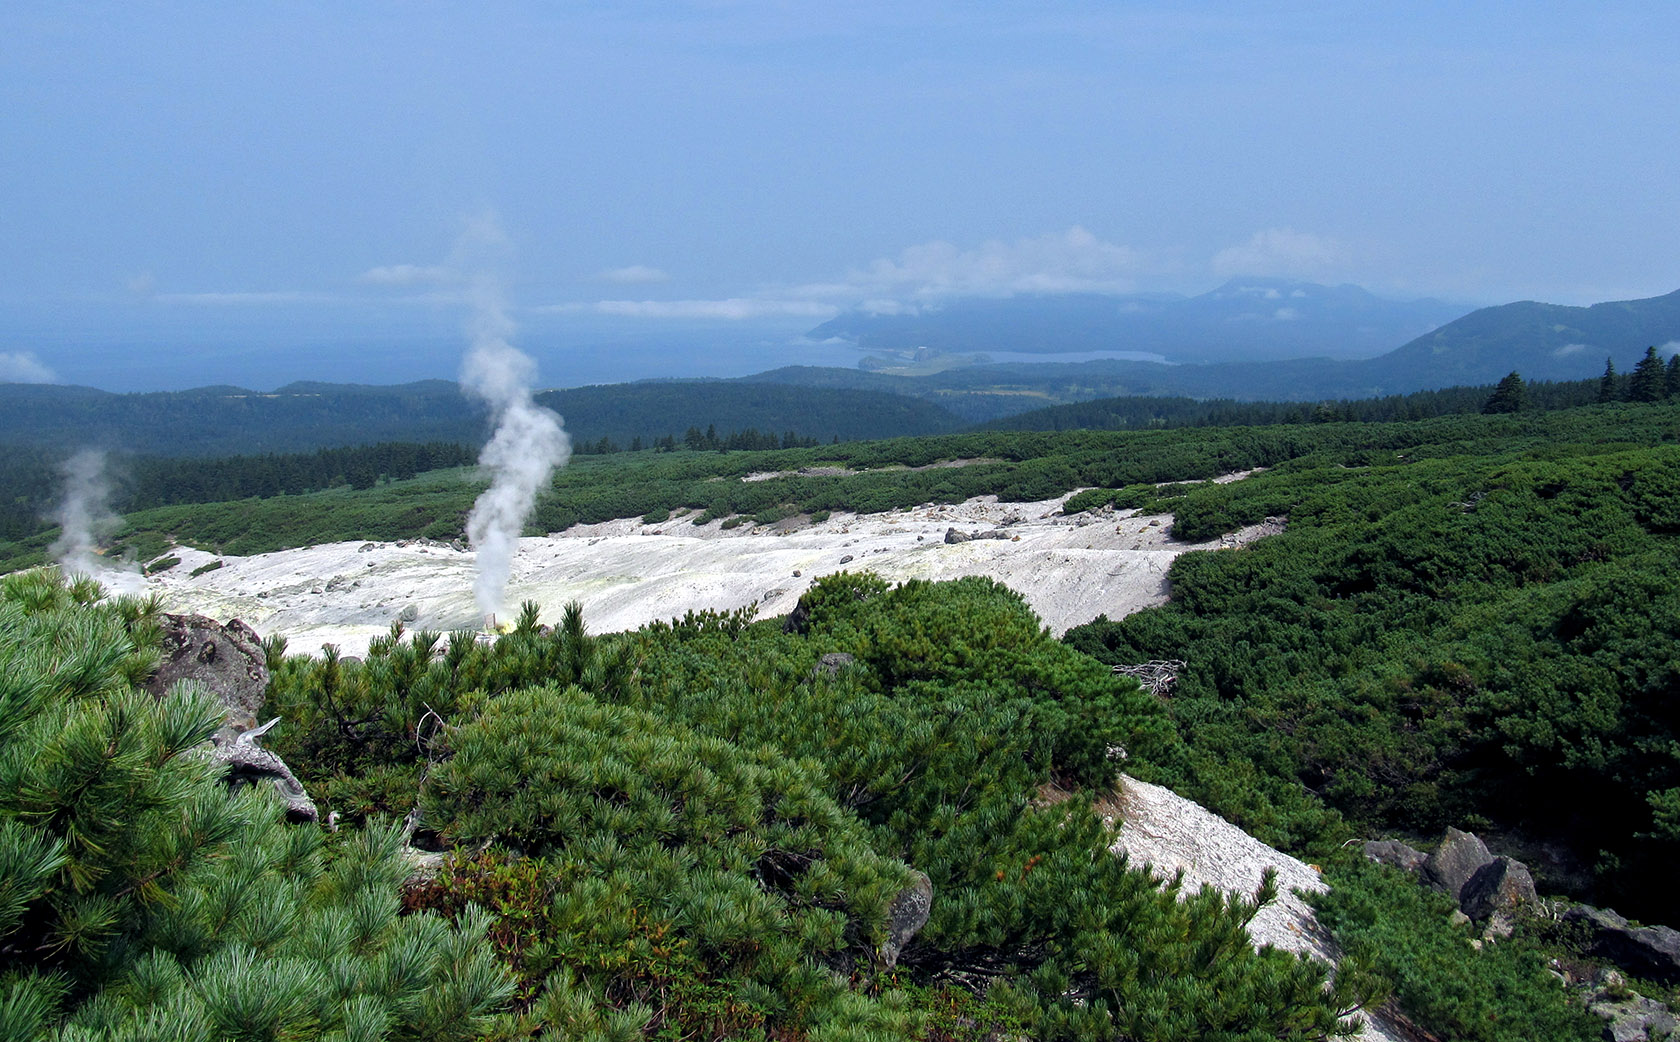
(222, 421)
(1154, 412)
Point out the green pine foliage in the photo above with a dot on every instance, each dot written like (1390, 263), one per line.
(139, 899)
(1438, 636)
(694, 830)
(1649, 382)
(1496, 993)
(735, 859)
(1511, 395)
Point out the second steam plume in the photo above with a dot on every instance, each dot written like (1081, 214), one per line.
(83, 517)
(528, 445)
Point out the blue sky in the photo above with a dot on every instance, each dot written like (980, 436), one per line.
(241, 172)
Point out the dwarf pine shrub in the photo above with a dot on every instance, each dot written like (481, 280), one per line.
(139, 899)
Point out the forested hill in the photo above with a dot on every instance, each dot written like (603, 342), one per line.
(221, 421)
(654, 408)
(1143, 411)
(1542, 341)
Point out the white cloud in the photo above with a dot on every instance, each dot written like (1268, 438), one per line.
(406, 275)
(1285, 314)
(22, 367)
(732, 309)
(634, 275)
(1074, 261)
(1569, 349)
(1281, 252)
(1670, 349)
(245, 298)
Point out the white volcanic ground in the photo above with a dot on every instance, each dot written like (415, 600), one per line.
(626, 573)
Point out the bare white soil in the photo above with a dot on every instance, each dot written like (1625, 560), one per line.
(627, 573)
(1173, 835)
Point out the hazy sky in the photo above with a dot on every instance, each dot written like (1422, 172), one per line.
(725, 161)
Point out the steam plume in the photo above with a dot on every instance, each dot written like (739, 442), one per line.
(529, 443)
(84, 517)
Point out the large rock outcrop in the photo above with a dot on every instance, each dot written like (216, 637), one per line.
(229, 662)
(1455, 862)
(1652, 952)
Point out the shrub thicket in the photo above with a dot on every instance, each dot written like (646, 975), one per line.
(139, 900)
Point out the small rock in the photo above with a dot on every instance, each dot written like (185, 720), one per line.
(409, 613)
(364, 548)
(954, 536)
(906, 915)
(1396, 854)
(832, 663)
(1634, 1019)
(846, 559)
(797, 573)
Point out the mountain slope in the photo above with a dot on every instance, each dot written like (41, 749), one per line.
(1541, 341)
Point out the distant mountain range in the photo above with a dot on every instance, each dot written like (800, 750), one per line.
(1541, 341)
(1245, 320)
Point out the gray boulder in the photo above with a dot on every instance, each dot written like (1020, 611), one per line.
(1459, 857)
(833, 663)
(954, 536)
(228, 660)
(1634, 1018)
(1652, 952)
(1496, 894)
(1396, 854)
(907, 914)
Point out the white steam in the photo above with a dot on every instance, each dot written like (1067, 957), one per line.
(84, 518)
(529, 443)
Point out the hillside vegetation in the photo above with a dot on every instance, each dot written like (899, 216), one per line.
(1466, 621)
(1485, 637)
(687, 832)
